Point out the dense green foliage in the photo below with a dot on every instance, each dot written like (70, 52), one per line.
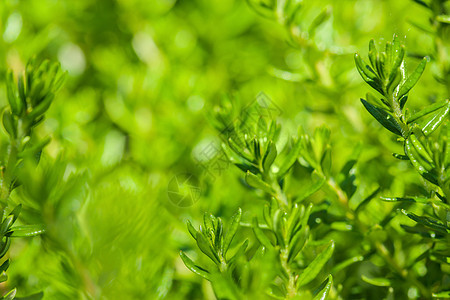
(302, 170)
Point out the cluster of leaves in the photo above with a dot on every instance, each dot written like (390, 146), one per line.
(439, 29)
(427, 152)
(214, 241)
(130, 123)
(252, 145)
(283, 233)
(28, 101)
(290, 14)
(301, 24)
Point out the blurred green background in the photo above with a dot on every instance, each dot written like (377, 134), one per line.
(144, 76)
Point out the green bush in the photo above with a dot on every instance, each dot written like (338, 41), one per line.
(125, 120)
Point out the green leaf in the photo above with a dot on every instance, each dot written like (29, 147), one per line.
(10, 124)
(372, 53)
(383, 118)
(399, 52)
(193, 267)
(262, 238)
(269, 156)
(5, 266)
(257, 183)
(192, 230)
(11, 295)
(276, 292)
(5, 247)
(421, 2)
(412, 79)
(21, 88)
(325, 163)
(239, 252)
(36, 148)
(290, 159)
(428, 222)
(209, 222)
(420, 158)
(377, 102)
(218, 236)
(400, 156)
(26, 231)
(346, 263)
(42, 107)
(314, 268)
(3, 276)
(279, 227)
(293, 222)
(7, 223)
(238, 150)
(366, 201)
(444, 294)
(309, 189)
(233, 227)
(37, 296)
(298, 242)
(256, 148)
(368, 74)
(402, 101)
(16, 212)
(206, 248)
(224, 287)
(323, 293)
(421, 200)
(15, 103)
(431, 117)
(423, 231)
(321, 18)
(376, 281)
(443, 19)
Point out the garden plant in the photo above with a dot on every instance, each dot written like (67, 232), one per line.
(225, 149)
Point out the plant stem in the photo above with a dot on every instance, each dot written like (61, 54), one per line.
(291, 287)
(283, 202)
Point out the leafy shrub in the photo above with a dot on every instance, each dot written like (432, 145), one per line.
(299, 193)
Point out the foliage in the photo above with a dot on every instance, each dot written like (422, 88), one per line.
(28, 103)
(254, 106)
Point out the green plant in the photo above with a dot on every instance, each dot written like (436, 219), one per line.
(283, 233)
(141, 80)
(426, 150)
(27, 104)
(300, 23)
(439, 29)
(289, 174)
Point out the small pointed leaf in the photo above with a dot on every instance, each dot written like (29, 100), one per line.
(323, 293)
(376, 281)
(26, 231)
(257, 183)
(383, 118)
(412, 79)
(314, 268)
(233, 227)
(262, 238)
(193, 267)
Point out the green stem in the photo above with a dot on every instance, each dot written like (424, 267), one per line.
(283, 203)
(291, 287)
